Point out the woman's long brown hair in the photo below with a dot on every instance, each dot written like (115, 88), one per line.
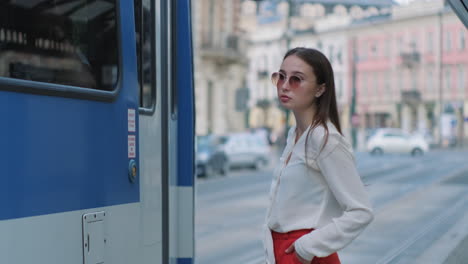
(326, 105)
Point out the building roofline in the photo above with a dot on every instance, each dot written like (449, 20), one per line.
(357, 24)
(445, 10)
(376, 3)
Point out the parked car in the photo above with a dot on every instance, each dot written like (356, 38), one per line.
(210, 157)
(246, 150)
(394, 140)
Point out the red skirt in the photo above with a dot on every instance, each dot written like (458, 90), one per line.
(281, 241)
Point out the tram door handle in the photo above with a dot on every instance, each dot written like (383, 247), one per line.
(94, 241)
(88, 243)
(173, 90)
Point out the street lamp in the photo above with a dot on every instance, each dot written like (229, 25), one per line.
(354, 117)
(439, 14)
(288, 36)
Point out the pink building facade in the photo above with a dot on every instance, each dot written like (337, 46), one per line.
(411, 71)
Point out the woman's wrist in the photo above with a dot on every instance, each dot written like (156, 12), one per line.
(300, 251)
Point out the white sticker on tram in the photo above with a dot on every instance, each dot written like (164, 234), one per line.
(131, 120)
(131, 146)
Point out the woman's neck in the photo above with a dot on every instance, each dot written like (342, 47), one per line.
(304, 120)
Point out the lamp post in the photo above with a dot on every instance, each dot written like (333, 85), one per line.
(288, 35)
(440, 79)
(353, 116)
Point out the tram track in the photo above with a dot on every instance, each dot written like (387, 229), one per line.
(447, 216)
(428, 175)
(398, 188)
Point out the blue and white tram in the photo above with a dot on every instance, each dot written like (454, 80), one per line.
(96, 138)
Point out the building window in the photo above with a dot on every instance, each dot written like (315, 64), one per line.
(211, 32)
(461, 80)
(387, 48)
(462, 39)
(364, 87)
(448, 41)
(400, 44)
(388, 89)
(363, 51)
(430, 42)
(374, 50)
(414, 79)
(376, 85)
(414, 43)
(69, 44)
(414, 46)
(339, 88)
(400, 81)
(448, 80)
(430, 80)
(339, 56)
(211, 102)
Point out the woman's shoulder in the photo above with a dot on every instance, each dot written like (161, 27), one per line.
(324, 140)
(320, 132)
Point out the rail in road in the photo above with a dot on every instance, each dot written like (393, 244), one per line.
(416, 201)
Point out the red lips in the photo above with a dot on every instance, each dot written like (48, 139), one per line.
(284, 98)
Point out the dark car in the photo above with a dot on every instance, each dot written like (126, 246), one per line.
(210, 157)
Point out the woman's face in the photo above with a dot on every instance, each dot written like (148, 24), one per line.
(297, 84)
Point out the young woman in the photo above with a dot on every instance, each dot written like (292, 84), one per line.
(318, 203)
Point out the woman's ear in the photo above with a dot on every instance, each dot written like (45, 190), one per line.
(320, 91)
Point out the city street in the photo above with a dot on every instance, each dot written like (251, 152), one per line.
(418, 202)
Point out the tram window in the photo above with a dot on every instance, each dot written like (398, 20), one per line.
(63, 42)
(144, 10)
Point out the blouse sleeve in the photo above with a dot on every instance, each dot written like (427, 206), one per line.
(336, 163)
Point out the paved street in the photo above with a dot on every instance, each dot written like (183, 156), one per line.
(418, 201)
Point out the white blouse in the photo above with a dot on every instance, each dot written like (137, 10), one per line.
(325, 194)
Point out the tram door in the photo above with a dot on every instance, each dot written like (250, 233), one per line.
(151, 76)
(166, 131)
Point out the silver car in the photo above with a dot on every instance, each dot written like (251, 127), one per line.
(246, 150)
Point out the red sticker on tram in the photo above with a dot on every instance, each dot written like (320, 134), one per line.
(131, 146)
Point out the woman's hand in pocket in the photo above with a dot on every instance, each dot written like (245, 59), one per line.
(291, 249)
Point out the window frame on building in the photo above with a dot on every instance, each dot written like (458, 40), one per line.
(430, 79)
(462, 40)
(430, 42)
(448, 41)
(461, 80)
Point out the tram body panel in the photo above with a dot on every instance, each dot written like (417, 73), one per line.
(67, 156)
(57, 238)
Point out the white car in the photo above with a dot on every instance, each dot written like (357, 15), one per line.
(394, 140)
(246, 150)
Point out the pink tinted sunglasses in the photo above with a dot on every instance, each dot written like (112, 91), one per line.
(278, 79)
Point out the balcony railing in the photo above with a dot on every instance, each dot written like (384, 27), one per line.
(410, 59)
(411, 97)
(227, 50)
